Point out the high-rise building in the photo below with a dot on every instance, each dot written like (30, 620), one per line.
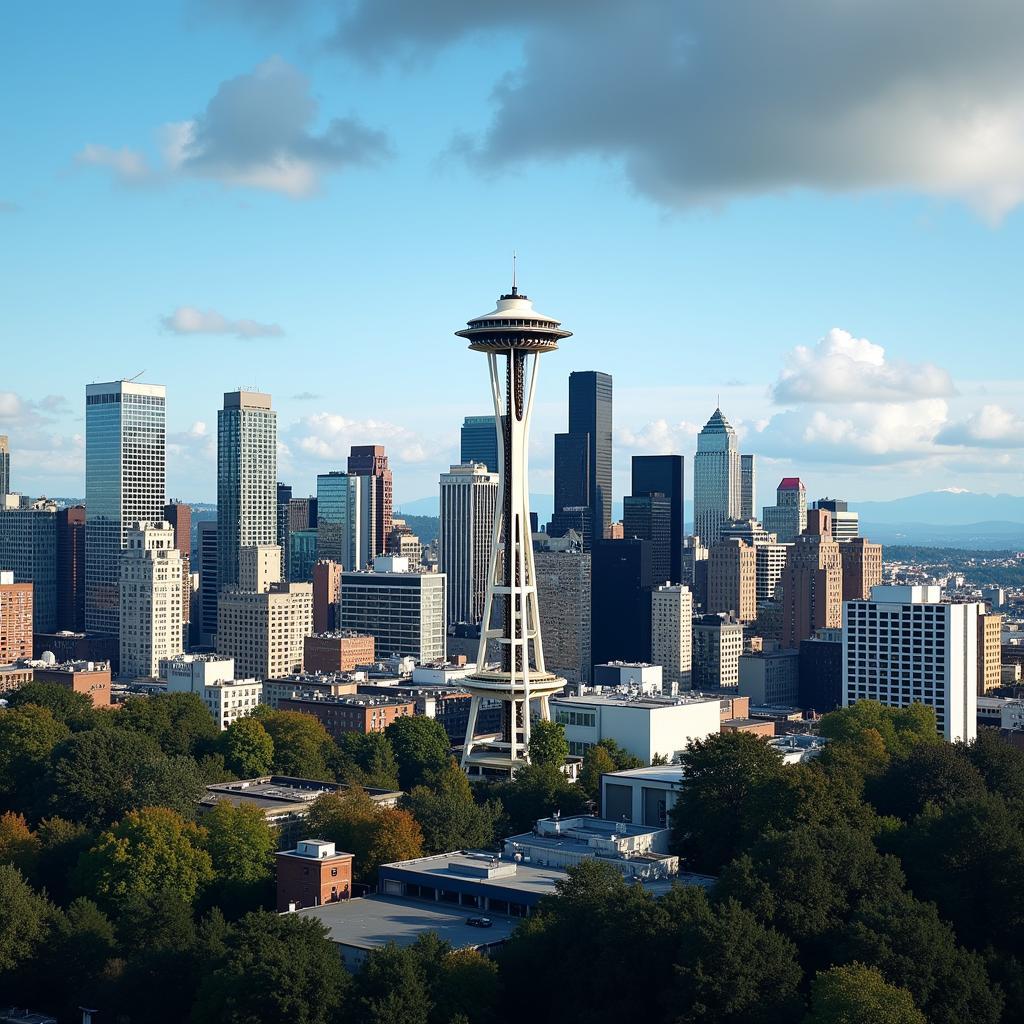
(284, 497)
(672, 636)
(5, 465)
(732, 579)
(179, 515)
(246, 479)
(862, 568)
(563, 595)
(302, 513)
(821, 671)
(479, 442)
(125, 465)
(906, 645)
(748, 487)
(469, 504)
(623, 577)
(812, 582)
(404, 611)
(716, 479)
(695, 570)
(303, 550)
(403, 543)
(787, 518)
(28, 548)
(151, 586)
(71, 568)
(845, 524)
(15, 619)
(208, 588)
(649, 517)
(370, 460)
(717, 646)
(771, 555)
(572, 509)
(326, 595)
(346, 512)
(264, 629)
(664, 474)
(990, 658)
(513, 336)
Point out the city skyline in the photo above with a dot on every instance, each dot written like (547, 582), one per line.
(768, 289)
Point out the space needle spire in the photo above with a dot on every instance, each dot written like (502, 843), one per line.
(513, 336)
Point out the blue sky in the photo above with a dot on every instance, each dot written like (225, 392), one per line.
(312, 196)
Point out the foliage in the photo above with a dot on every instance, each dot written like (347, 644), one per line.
(421, 746)
(929, 773)
(179, 722)
(19, 845)
(302, 746)
(25, 920)
(75, 710)
(548, 745)
(149, 851)
(448, 815)
(240, 842)
(900, 729)
(374, 835)
(247, 747)
(275, 968)
(596, 762)
(855, 994)
(28, 734)
(366, 759)
(536, 791)
(61, 843)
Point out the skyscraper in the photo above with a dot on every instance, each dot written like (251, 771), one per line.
(15, 618)
(125, 466)
(478, 442)
(469, 502)
(346, 506)
(150, 584)
(284, 497)
(513, 336)
(572, 509)
(179, 515)
(71, 568)
(246, 479)
(208, 588)
(563, 594)
(716, 479)
(370, 460)
(663, 474)
(5, 465)
(732, 579)
(862, 568)
(620, 615)
(812, 582)
(28, 548)
(649, 517)
(672, 635)
(748, 487)
(771, 555)
(590, 412)
(787, 518)
(845, 524)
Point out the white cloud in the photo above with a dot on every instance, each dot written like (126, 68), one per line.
(991, 426)
(326, 437)
(842, 368)
(256, 132)
(658, 437)
(189, 320)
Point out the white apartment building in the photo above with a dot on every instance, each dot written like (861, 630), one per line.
(469, 501)
(907, 645)
(672, 636)
(645, 726)
(150, 609)
(404, 611)
(213, 679)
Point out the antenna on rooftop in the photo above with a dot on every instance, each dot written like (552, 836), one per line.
(515, 257)
(128, 380)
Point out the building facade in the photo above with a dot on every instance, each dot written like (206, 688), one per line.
(5, 465)
(337, 651)
(326, 595)
(771, 555)
(370, 461)
(672, 635)
(125, 468)
(906, 645)
(208, 588)
(716, 479)
(664, 474)
(346, 514)
(862, 567)
(732, 579)
(71, 568)
(812, 582)
(821, 671)
(478, 442)
(28, 548)
(717, 646)
(358, 712)
(151, 584)
(620, 605)
(469, 504)
(787, 518)
(748, 487)
(649, 517)
(770, 677)
(845, 524)
(15, 619)
(246, 479)
(990, 657)
(563, 596)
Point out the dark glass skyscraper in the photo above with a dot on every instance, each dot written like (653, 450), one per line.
(479, 442)
(649, 517)
(622, 578)
(663, 474)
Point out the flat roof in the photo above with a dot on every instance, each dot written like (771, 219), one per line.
(656, 773)
(634, 700)
(278, 792)
(373, 921)
(472, 867)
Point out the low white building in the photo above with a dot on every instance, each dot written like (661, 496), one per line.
(645, 726)
(213, 679)
(635, 675)
(642, 796)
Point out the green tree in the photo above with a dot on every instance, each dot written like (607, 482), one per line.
(448, 815)
(392, 988)
(596, 762)
(855, 994)
(180, 723)
(19, 845)
(247, 747)
(900, 729)
(537, 791)
(151, 850)
(548, 745)
(240, 842)
(26, 918)
(1000, 764)
(709, 821)
(75, 710)
(275, 968)
(621, 758)
(366, 759)
(936, 773)
(61, 842)
(302, 746)
(373, 835)
(421, 746)
(28, 734)
(466, 985)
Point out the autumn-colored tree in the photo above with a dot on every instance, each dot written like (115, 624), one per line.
(19, 845)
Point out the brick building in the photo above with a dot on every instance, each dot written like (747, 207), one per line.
(337, 651)
(312, 874)
(15, 619)
(356, 713)
(326, 595)
(89, 677)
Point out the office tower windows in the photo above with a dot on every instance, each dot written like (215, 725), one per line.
(28, 548)
(717, 646)
(812, 582)
(845, 524)
(590, 412)
(469, 503)
(649, 517)
(716, 479)
(663, 474)
(563, 597)
(672, 635)
(623, 578)
(346, 506)
(125, 460)
(208, 588)
(370, 460)
(326, 595)
(748, 487)
(5, 465)
(246, 478)
(284, 497)
(479, 442)
(862, 568)
(732, 579)
(771, 555)
(71, 569)
(787, 518)
(15, 619)
(572, 488)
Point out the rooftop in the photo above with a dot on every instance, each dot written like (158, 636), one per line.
(670, 773)
(272, 792)
(357, 700)
(791, 483)
(636, 700)
(486, 869)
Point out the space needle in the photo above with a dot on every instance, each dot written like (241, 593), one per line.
(513, 337)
